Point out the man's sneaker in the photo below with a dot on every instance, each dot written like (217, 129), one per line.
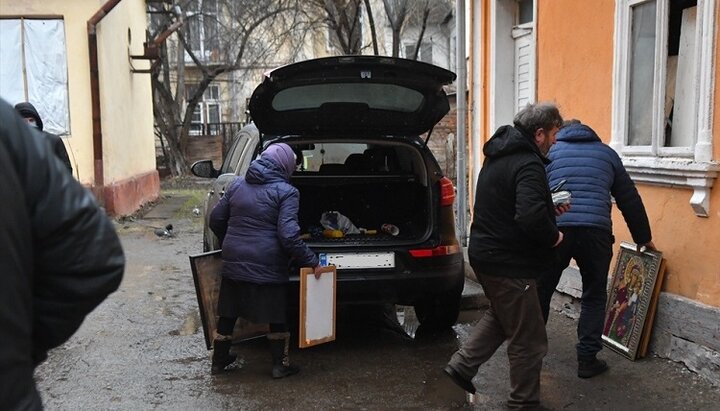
(458, 379)
(591, 368)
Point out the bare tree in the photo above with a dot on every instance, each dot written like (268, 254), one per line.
(418, 13)
(342, 18)
(217, 37)
(397, 13)
(371, 23)
(422, 11)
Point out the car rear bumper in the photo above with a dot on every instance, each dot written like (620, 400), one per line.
(398, 287)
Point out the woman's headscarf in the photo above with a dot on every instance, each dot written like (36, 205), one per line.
(282, 155)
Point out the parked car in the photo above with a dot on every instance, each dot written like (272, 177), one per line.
(355, 123)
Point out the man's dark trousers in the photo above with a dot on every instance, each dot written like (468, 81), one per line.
(592, 250)
(514, 315)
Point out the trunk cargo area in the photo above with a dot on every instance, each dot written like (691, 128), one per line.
(368, 201)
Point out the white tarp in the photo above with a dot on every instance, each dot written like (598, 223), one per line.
(11, 76)
(45, 66)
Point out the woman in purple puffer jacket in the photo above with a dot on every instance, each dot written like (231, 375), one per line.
(257, 224)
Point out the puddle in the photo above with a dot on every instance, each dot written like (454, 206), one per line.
(189, 326)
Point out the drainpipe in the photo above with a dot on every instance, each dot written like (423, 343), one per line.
(461, 123)
(99, 182)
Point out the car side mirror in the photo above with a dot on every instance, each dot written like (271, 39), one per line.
(205, 169)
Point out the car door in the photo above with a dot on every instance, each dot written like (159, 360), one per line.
(235, 164)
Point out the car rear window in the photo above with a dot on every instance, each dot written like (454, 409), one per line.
(377, 96)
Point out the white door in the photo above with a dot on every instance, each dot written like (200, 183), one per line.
(524, 67)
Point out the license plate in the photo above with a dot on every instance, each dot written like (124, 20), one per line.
(358, 260)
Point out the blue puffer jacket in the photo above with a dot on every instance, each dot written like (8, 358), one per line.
(257, 224)
(593, 172)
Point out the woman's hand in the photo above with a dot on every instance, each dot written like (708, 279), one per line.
(318, 271)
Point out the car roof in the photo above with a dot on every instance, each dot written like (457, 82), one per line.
(350, 96)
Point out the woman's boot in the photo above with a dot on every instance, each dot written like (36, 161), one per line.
(221, 357)
(279, 345)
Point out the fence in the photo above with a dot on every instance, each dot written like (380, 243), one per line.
(208, 141)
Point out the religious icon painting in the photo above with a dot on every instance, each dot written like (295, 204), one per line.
(632, 299)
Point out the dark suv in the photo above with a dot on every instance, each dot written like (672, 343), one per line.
(355, 123)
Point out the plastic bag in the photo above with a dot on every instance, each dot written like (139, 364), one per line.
(333, 220)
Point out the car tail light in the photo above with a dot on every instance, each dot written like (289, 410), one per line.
(447, 192)
(435, 252)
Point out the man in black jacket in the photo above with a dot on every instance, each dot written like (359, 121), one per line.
(31, 116)
(59, 257)
(512, 237)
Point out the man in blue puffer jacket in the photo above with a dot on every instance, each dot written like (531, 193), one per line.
(257, 224)
(593, 172)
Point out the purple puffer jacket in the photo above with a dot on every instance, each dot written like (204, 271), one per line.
(257, 222)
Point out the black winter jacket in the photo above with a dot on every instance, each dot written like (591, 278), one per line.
(59, 148)
(59, 256)
(28, 110)
(513, 229)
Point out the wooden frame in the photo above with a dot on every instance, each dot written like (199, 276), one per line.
(207, 275)
(317, 306)
(632, 298)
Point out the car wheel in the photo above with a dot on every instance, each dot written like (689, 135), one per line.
(440, 311)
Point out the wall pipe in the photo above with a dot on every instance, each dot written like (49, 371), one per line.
(461, 133)
(99, 180)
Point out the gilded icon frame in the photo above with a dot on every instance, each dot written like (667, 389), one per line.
(631, 300)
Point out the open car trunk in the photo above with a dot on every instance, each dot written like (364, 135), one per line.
(369, 202)
(371, 185)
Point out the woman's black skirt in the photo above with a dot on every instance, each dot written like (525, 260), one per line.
(257, 303)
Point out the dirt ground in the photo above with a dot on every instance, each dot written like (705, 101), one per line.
(143, 348)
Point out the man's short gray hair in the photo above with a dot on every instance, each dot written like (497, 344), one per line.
(538, 115)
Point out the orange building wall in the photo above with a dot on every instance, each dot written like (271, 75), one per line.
(575, 68)
(575, 54)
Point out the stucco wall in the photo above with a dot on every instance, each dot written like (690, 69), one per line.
(575, 60)
(130, 177)
(575, 65)
(126, 97)
(74, 14)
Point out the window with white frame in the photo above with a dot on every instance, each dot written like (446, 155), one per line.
(34, 69)
(662, 93)
(207, 115)
(525, 11)
(202, 26)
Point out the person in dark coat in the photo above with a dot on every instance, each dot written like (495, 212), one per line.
(59, 257)
(256, 222)
(31, 116)
(512, 240)
(593, 173)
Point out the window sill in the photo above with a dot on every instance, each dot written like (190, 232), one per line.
(677, 172)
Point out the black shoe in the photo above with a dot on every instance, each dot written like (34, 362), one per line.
(221, 357)
(219, 366)
(282, 371)
(591, 368)
(463, 383)
(279, 347)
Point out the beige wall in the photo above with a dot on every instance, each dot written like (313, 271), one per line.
(74, 14)
(125, 97)
(575, 64)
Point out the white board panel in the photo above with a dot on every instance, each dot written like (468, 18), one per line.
(317, 306)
